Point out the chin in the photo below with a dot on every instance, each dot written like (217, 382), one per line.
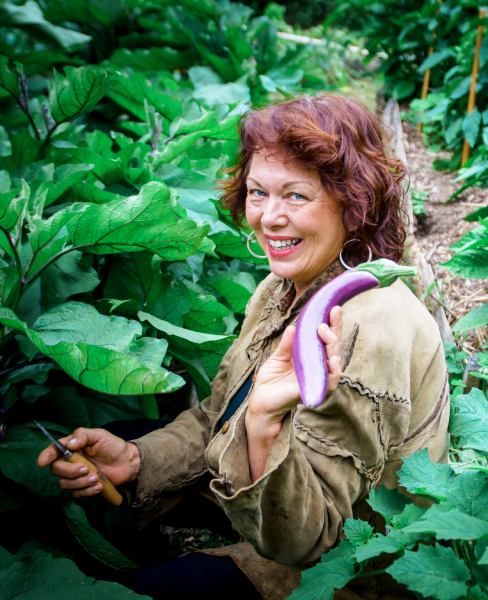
(283, 272)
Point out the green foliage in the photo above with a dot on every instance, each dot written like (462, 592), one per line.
(39, 572)
(122, 280)
(458, 518)
(419, 198)
(434, 572)
(471, 254)
(398, 37)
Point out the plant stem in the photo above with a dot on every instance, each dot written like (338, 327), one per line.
(16, 257)
(48, 137)
(29, 281)
(149, 406)
(24, 103)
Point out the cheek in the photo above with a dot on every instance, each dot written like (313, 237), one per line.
(252, 215)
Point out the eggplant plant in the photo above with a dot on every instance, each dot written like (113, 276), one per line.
(122, 281)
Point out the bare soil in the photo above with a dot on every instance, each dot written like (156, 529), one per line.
(443, 225)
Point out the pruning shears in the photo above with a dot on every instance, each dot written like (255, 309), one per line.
(109, 491)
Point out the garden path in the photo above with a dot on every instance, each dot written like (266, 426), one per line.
(443, 225)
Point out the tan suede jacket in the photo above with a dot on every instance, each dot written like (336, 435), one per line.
(392, 399)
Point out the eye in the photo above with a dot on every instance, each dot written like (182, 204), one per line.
(297, 196)
(256, 193)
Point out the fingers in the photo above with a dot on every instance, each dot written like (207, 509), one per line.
(73, 476)
(331, 337)
(336, 320)
(76, 441)
(335, 373)
(86, 485)
(47, 456)
(80, 438)
(284, 349)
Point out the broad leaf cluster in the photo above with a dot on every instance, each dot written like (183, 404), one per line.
(411, 37)
(438, 549)
(122, 279)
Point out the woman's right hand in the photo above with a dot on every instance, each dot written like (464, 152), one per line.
(114, 457)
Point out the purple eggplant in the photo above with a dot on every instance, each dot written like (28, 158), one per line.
(309, 356)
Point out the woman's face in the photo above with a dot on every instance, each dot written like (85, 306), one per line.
(296, 223)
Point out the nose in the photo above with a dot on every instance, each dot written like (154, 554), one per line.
(274, 213)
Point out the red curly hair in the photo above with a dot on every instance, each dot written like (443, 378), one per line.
(342, 141)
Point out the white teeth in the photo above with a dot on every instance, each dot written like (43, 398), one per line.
(283, 243)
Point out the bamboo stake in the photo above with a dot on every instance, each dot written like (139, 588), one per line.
(474, 77)
(425, 86)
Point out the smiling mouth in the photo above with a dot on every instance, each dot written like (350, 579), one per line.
(279, 248)
(279, 244)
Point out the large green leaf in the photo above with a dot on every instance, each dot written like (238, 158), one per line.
(149, 221)
(38, 573)
(377, 545)
(132, 89)
(80, 90)
(435, 58)
(207, 314)
(94, 14)
(185, 336)
(231, 242)
(64, 178)
(152, 59)
(25, 150)
(223, 93)
(195, 190)
(204, 121)
(469, 420)
(434, 572)
(471, 126)
(71, 274)
(30, 14)
(174, 148)
(386, 502)
(13, 209)
(9, 81)
(100, 352)
(476, 317)
(419, 475)
(410, 514)
(48, 237)
(471, 263)
(470, 494)
(236, 288)
(333, 572)
(92, 541)
(137, 277)
(448, 524)
(18, 454)
(201, 353)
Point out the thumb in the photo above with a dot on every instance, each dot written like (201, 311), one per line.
(82, 437)
(284, 349)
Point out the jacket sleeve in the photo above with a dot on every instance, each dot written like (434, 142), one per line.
(173, 457)
(325, 460)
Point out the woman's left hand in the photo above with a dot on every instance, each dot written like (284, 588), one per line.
(276, 390)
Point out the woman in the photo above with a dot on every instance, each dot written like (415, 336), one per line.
(320, 195)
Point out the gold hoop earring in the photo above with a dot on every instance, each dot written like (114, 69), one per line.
(343, 262)
(249, 239)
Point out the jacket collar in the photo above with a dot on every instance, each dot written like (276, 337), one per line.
(282, 309)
